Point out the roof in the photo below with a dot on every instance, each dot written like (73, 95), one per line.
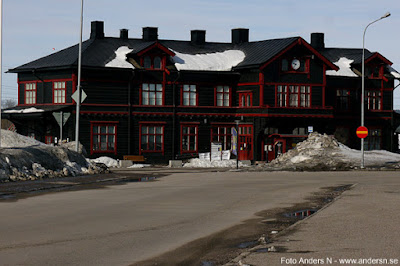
(98, 52)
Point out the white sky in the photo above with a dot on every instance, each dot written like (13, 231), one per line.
(32, 29)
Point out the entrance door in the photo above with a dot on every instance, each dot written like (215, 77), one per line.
(245, 144)
(276, 147)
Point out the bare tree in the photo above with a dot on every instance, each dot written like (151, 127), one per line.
(8, 103)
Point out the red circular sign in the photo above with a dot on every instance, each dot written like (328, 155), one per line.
(362, 132)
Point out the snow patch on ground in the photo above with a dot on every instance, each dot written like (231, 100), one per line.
(120, 59)
(222, 61)
(139, 165)
(202, 163)
(110, 162)
(344, 65)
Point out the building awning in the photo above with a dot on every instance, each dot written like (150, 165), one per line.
(31, 111)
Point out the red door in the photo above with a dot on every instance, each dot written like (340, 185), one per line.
(279, 147)
(245, 144)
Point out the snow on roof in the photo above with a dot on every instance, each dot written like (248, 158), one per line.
(120, 59)
(221, 61)
(393, 72)
(25, 111)
(344, 68)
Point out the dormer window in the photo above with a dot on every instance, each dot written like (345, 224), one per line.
(375, 71)
(152, 62)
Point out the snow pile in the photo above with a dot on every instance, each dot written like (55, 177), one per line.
(344, 65)
(323, 152)
(222, 61)
(23, 158)
(120, 58)
(10, 139)
(203, 163)
(110, 162)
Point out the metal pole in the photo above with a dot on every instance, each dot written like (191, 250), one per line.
(363, 84)
(237, 144)
(61, 126)
(78, 103)
(1, 58)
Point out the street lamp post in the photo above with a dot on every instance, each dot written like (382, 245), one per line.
(78, 102)
(363, 84)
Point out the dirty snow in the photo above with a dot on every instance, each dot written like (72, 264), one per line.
(344, 65)
(323, 152)
(110, 162)
(23, 158)
(203, 163)
(120, 59)
(139, 165)
(222, 61)
(25, 111)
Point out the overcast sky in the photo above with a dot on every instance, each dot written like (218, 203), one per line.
(33, 29)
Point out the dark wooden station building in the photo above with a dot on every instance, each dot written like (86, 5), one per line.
(170, 99)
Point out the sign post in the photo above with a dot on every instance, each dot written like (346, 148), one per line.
(61, 119)
(362, 133)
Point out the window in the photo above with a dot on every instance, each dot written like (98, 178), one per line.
(104, 137)
(150, 62)
(189, 136)
(30, 93)
(342, 99)
(189, 95)
(245, 99)
(152, 94)
(374, 140)
(293, 96)
(373, 100)
(223, 96)
(157, 62)
(59, 92)
(374, 72)
(48, 139)
(152, 138)
(147, 62)
(222, 134)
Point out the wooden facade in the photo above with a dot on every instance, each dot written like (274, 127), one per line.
(278, 92)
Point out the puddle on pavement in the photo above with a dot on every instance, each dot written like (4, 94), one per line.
(7, 196)
(248, 244)
(301, 214)
(207, 263)
(139, 179)
(261, 250)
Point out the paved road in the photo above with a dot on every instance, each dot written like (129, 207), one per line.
(120, 225)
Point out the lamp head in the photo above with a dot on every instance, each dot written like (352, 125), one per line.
(386, 15)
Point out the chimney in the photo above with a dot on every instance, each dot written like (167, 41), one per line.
(150, 34)
(198, 37)
(123, 34)
(240, 35)
(97, 30)
(317, 40)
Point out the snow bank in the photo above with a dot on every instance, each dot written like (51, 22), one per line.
(223, 61)
(110, 162)
(202, 163)
(11, 139)
(23, 158)
(323, 152)
(120, 59)
(344, 65)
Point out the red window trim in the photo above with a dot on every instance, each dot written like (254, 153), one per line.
(33, 82)
(152, 56)
(245, 94)
(104, 123)
(149, 124)
(64, 89)
(51, 139)
(367, 98)
(150, 105)
(190, 124)
(215, 96)
(287, 96)
(215, 126)
(182, 96)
